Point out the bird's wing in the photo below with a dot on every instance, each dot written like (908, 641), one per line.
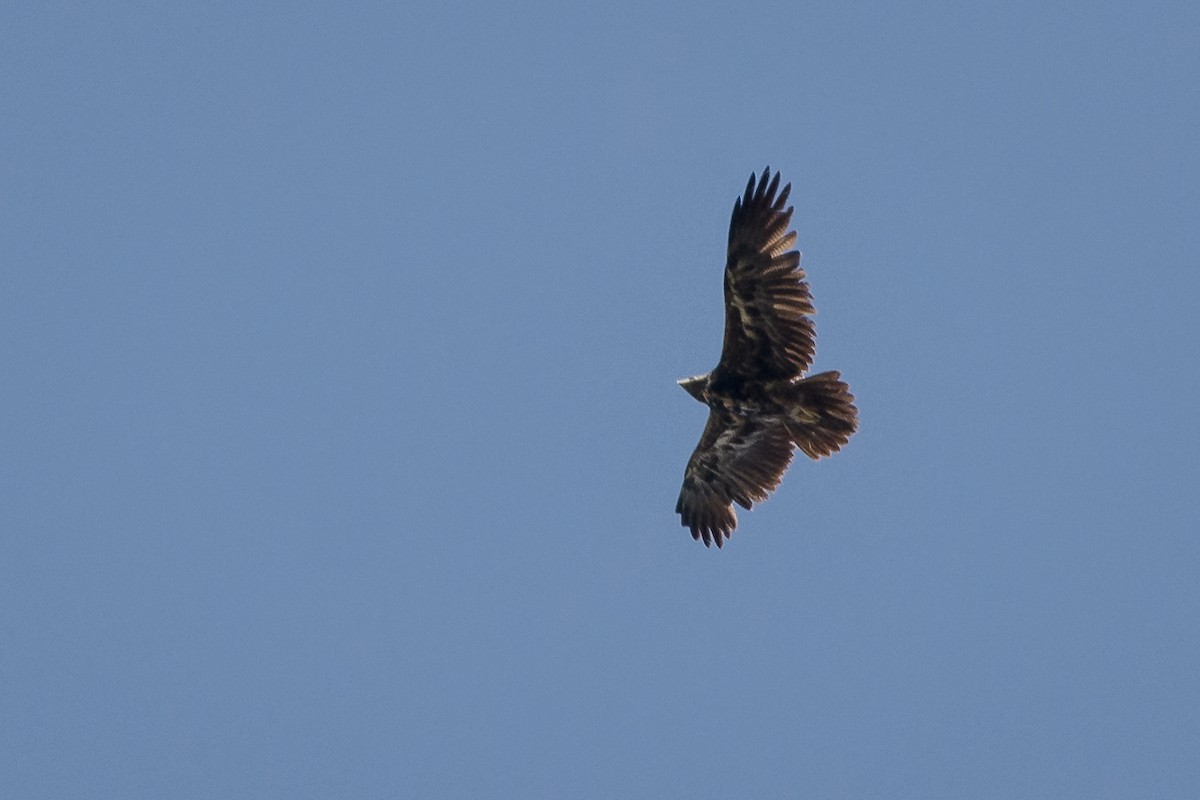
(739, 459)
(768, 333)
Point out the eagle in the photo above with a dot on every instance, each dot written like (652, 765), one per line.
(760, 405)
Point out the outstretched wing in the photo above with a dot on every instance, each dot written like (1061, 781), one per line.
(767, 331)
(740, 459)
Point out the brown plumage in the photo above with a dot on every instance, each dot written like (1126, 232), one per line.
(760, 405)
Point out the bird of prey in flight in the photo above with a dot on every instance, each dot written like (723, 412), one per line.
(760, 404)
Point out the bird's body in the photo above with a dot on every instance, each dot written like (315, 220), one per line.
(760, 403)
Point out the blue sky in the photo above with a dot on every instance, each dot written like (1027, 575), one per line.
(341, 440)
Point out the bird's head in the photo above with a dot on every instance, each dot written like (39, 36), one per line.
(695, 386)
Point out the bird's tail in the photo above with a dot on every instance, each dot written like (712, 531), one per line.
(821, 414)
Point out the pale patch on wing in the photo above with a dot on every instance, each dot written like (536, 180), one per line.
(747, 322)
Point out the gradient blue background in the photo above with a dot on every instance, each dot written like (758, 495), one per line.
(340, 438)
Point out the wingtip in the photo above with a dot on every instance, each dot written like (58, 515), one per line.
(701, 532)
(761, 186)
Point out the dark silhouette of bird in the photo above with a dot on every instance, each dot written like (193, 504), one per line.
(760, 404)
